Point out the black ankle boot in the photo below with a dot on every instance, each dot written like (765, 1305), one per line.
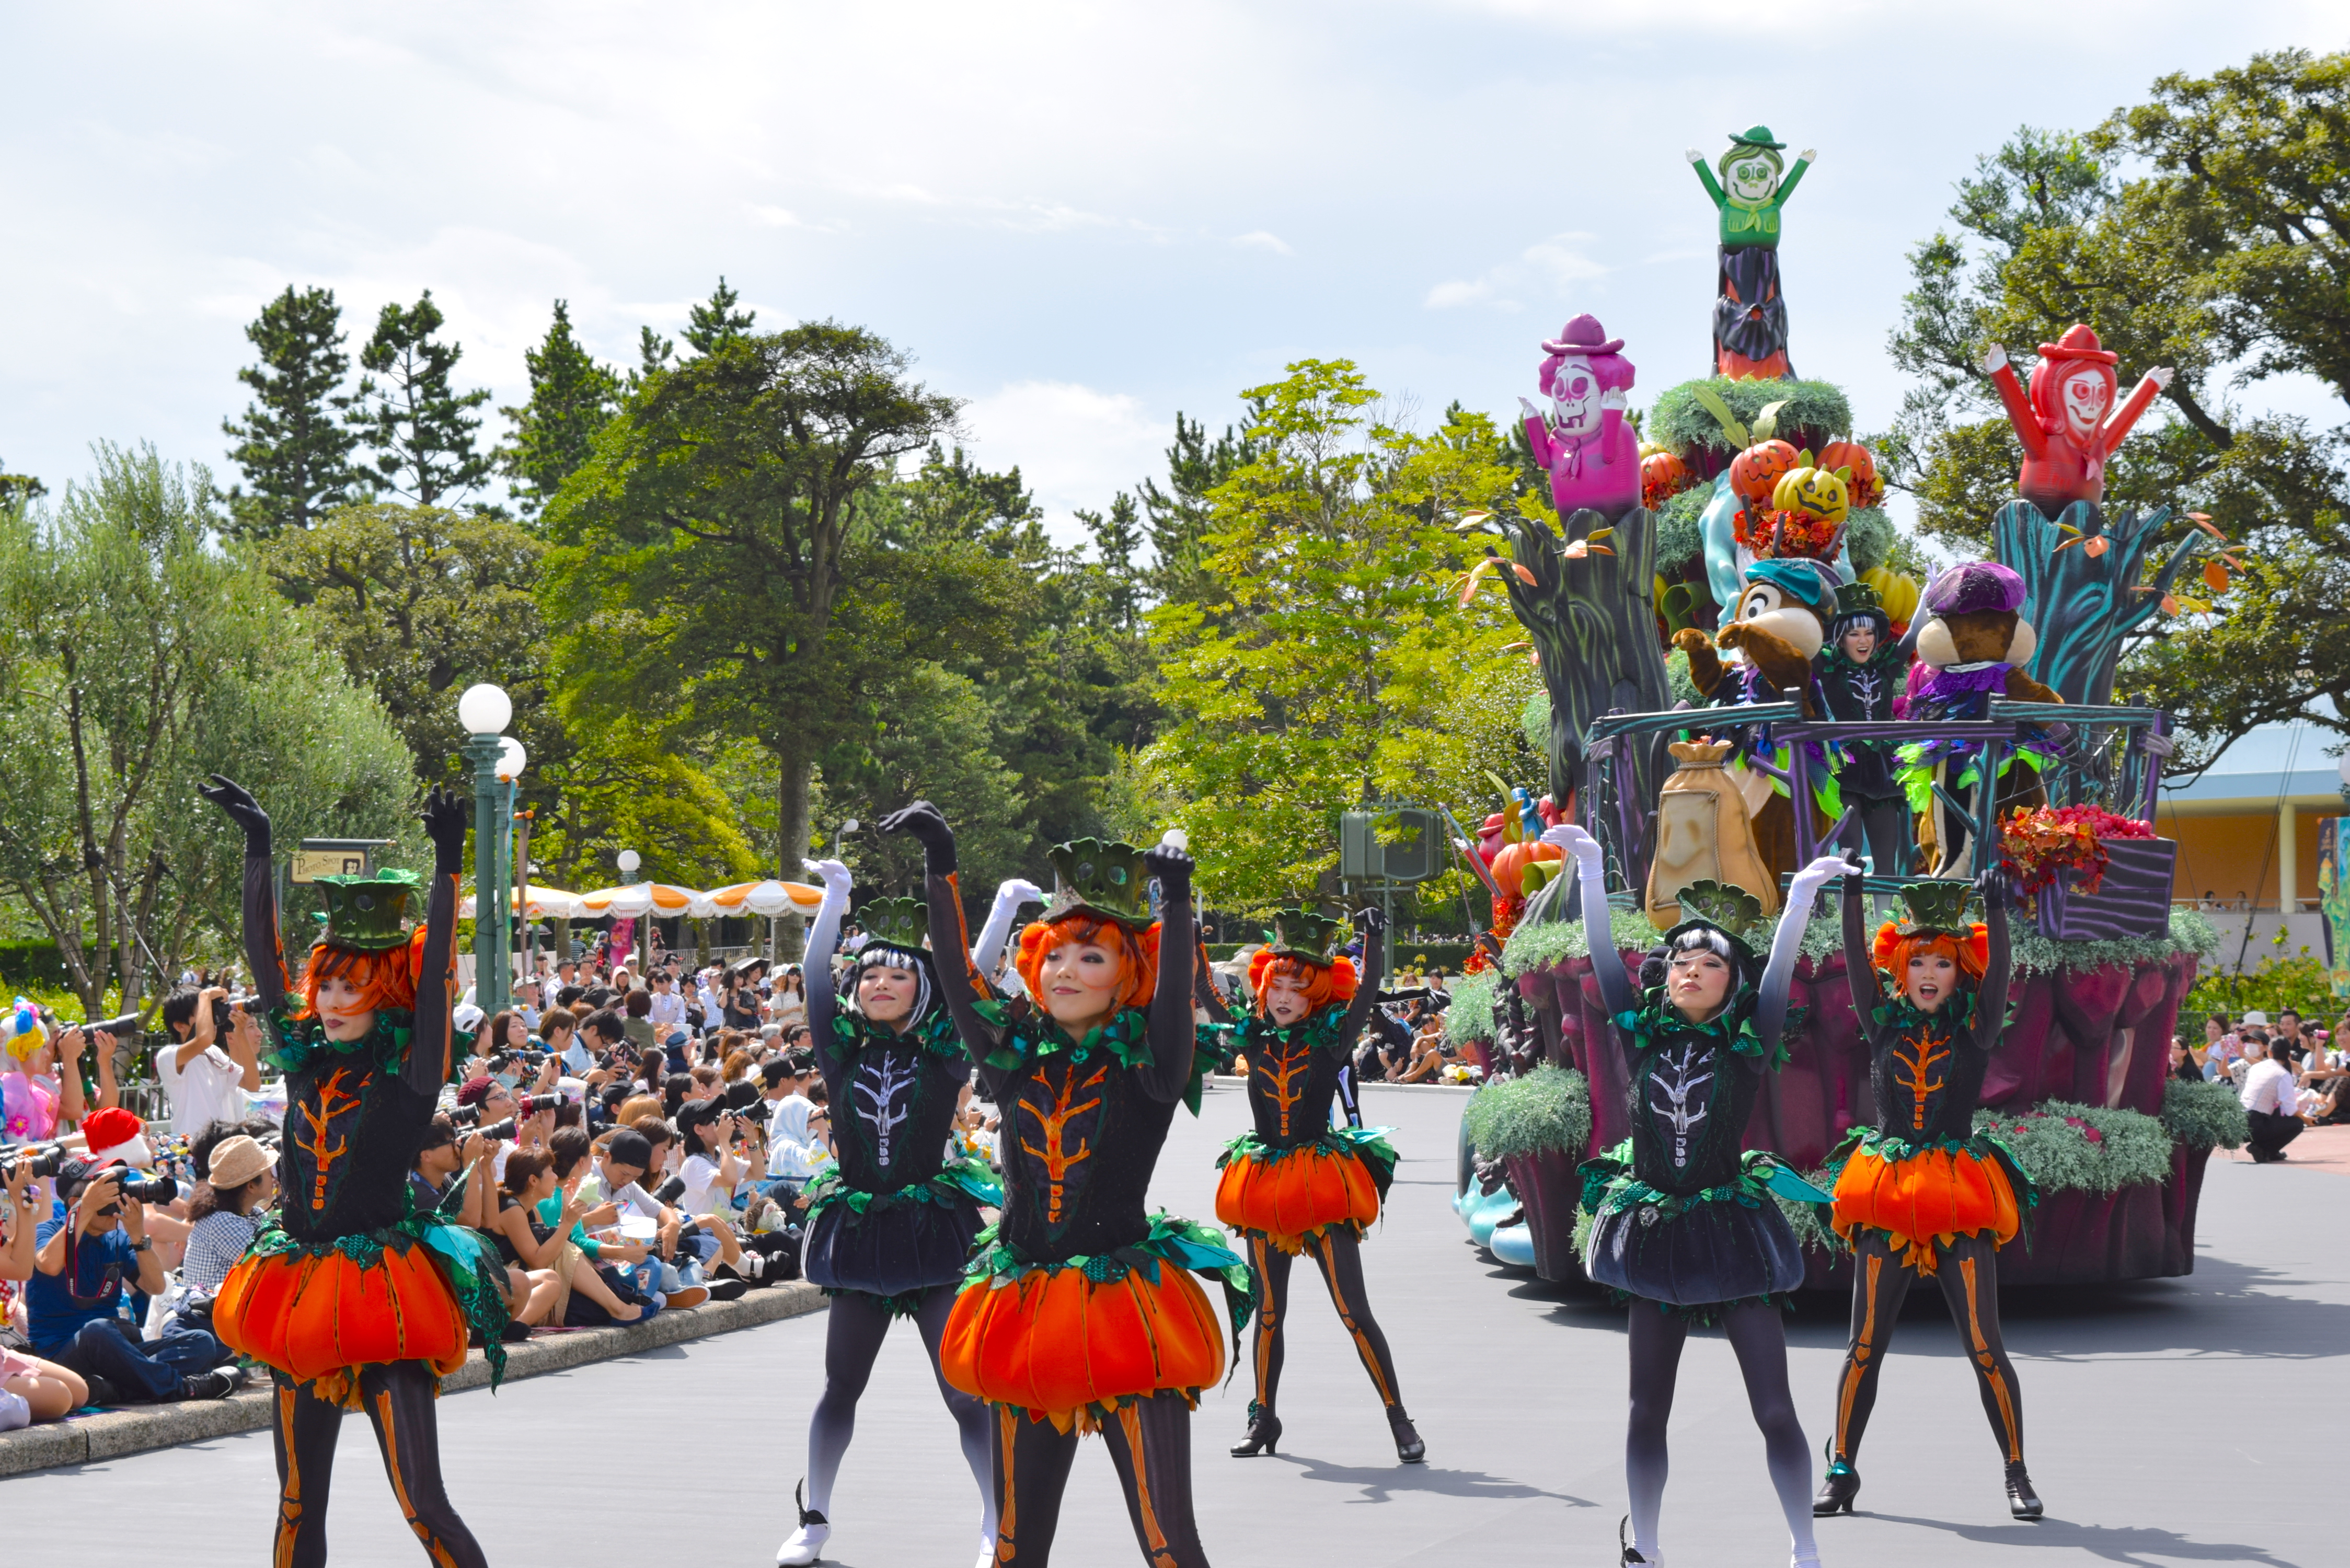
(1841, 1485)
(1409, 1449)
(2022, 1501)
(1263, 1433)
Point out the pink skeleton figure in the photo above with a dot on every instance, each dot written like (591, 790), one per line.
(1593, 457)
(2066, 433)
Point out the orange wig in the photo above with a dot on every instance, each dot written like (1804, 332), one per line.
(1139, 951)
(386, 978)
(1324, 983)
(1892, 951)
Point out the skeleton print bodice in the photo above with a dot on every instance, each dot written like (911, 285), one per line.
(1691, 1096)
(1859, 693)
(1927, 1073)
(893, 1105)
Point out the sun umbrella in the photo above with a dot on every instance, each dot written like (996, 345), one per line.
(660, 899)
(544, 904)
(769, 897)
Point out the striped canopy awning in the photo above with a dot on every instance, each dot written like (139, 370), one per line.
(767, 896)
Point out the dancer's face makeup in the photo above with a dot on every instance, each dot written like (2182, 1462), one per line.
(886, 994)
(342, 1009)
(1697, 985)
(1080, 982)
(1284, 998)
(1930, 980)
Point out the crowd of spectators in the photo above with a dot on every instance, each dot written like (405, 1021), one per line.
(2291, 1076)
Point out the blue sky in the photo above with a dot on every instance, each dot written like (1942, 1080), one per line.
(1081, 218)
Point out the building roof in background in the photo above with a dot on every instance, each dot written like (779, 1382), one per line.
(2290, 760)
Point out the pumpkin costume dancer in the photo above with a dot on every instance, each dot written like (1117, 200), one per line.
(1683, 1221)
(1296, 1182)
(1080, 1313)
(354, 1299)
(1922, 1194)
(891, 1223)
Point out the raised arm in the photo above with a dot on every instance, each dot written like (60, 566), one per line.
(1859, 971)
(429, 1041)
(263, 955)
(988, 952)
(1705, 176)
(1804, 161)
(2117, 423)
(1787, 945)
(815, 960)
(1990, 1003)
(1374, 922)
(948, 936)
(1599, 925)
(2011, 396)
(1172, 1038)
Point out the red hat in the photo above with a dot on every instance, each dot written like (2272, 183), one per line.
(473, 1091)
(110, 1127)
(2078, 343)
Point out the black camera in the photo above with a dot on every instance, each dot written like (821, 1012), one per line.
(42, 1160)
(669, 1191)
(145, 1188)
(464, 1115)
(223, 1007)
(498, 1132)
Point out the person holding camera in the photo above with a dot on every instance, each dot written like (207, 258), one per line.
(31, 1389)
(352, 1297)
(74, 1299)
(40, 1074)
(202, 1082)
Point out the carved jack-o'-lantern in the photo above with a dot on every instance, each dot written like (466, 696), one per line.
(1756, 472)
(1819, 491)
(1863, 488)
(1662, 476)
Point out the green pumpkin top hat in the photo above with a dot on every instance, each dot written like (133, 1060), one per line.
(1725, 906)
(1105, 879)
(896, 922)
(1936, 905)
(366, 913)
(1307, 934)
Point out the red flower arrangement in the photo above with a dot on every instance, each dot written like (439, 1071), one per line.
(1771, 533)
(2039, 845)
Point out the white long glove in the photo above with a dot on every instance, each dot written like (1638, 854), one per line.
(988, 952)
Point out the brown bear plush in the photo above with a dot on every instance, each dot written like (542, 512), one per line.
(1972, 646)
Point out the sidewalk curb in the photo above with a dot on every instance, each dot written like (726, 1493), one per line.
(115, 1433)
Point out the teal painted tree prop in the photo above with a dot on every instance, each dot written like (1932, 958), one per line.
(2086, 575)
(1586, 604)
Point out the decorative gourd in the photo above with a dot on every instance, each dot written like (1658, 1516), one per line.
(1662, 476)
(1819, 491)
(1510, 865)
(1756, 472)
(1864, 488)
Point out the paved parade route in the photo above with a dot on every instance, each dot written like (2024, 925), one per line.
(2186, 1421)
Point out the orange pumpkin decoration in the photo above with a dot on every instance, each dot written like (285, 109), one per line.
(1299, 1195)
(319, 1319)
(1755, 473)
(1864, 487)
(1662, 477)
(1055, 1343)
(1510, 865)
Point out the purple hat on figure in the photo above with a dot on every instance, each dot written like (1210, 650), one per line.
(1974, 586)
(1583, 335)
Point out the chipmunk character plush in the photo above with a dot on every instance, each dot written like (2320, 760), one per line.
(1972, 645)
(1781, 625)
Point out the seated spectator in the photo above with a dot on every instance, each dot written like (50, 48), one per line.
(2270, 1105)
(1427, 1055)
(31, 1389)
(202, 1082)
(604, 1033)
(72, 1301)
(638, 1025)
(628, 1156)
(596, 1289)
(709, 1171)
(223, 1215)
(2182, 1061)
(559, 1037)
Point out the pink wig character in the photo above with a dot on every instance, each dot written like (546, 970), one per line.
(1592, 457)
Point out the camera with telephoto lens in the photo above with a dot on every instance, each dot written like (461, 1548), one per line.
(669, 1191)
(498, 1132)
(41, 1161)
(223, 1007)
(142, 1187)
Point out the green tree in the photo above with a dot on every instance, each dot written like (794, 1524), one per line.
(422, 432)
(135, 659)
(571, 396)
(1337, 668)
(699, 559)
(1118, 538)
(17, 488)
(293, 443)
(2220, 254)
(1178, 518)
(716, 321)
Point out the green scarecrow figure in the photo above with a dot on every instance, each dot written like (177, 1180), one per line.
(1750, 318)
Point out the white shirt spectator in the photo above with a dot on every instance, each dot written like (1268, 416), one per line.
(208, 1089)
(2268, 1086)
(668, 1012)
(575, 1058)
(702, 1195)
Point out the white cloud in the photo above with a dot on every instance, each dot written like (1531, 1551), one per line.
(1076, 446)
(1263, 240)
(1546, 269)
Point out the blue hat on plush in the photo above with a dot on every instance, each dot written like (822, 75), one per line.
(1801, 578)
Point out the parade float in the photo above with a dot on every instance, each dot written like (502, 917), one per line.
(1686, 593)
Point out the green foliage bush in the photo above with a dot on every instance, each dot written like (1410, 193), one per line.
(1680, 421)
(2203, 1115)
(1679, 543)
(2063, 1146)
(1475, 1010)
(1869, 535)
(2278, 980)
(1548, 1109)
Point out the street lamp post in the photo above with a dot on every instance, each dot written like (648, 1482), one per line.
(628, 861)
(512, 900)
(483, 711)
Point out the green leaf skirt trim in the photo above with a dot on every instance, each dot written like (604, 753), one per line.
(965, 1181)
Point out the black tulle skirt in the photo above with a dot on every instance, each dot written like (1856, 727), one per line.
(895, 1251)
(1708, 1255)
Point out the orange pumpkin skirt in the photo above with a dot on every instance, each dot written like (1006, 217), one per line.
(1928, 1196)
(1301, 1194)
(318, 1318)
(1069, 1350)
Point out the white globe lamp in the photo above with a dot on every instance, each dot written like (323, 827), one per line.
(485, 709)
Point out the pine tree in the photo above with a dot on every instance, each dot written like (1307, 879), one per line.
(1179, 515)
(1116, 537)
(293, 443)
(653, 352)
(571, 396)
(717, 321)
(422, 434)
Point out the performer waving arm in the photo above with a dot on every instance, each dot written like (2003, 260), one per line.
(948, 934)
(1787, 945)
(1990, 1003)
(1172, 1038)
(1598, 929)
(427, 1068)
(1374, 921)
(263, 953)
(988, 952)
(823, 937)
(1859, 970)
